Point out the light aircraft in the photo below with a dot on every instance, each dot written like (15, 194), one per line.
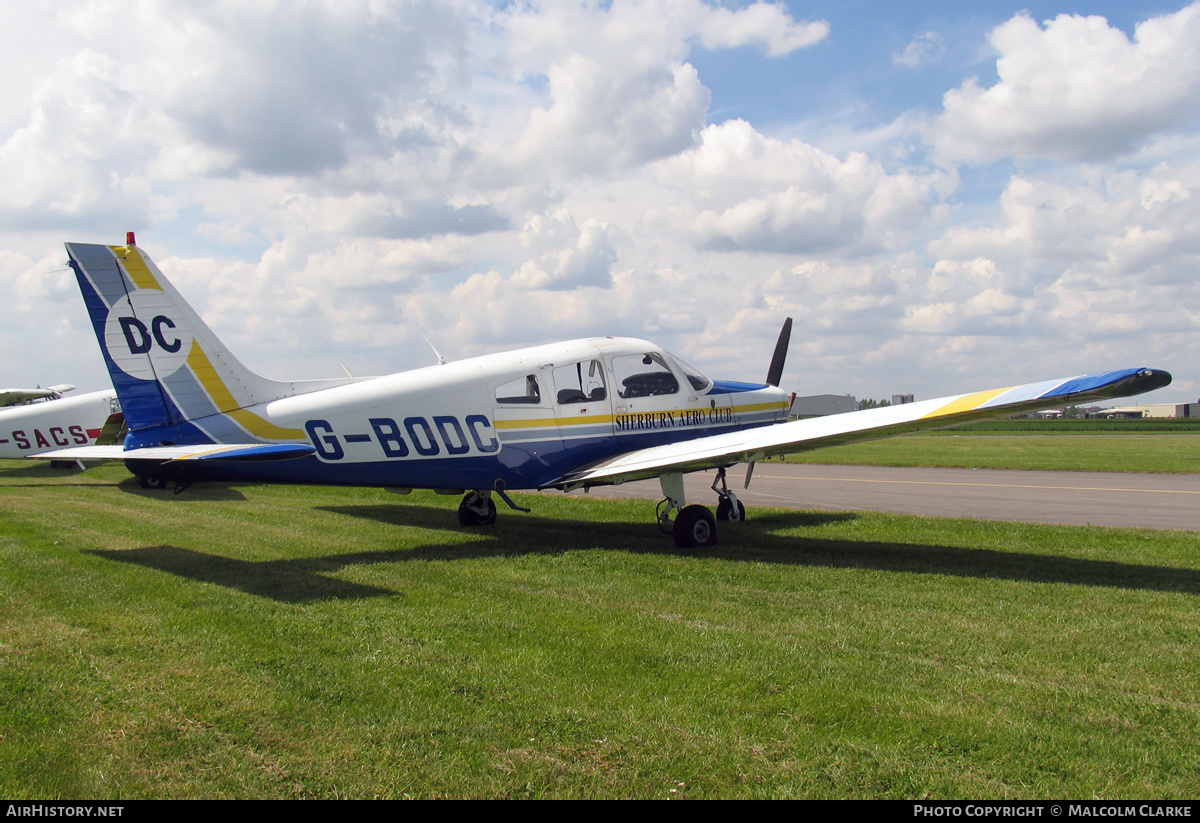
(567, 415)
(38, 420)
(14, 397)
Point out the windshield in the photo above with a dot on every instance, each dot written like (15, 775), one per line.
(699, 382)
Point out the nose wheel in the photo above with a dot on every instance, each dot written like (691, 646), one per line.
(729, 508)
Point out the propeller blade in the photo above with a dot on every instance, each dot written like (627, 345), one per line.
(775, 373)
(749, 474)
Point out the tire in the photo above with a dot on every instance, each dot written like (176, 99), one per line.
(151, 483)
(695, 528)
(727, 513)
(469, 517)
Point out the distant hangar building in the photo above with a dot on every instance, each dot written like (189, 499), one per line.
(1176, 410)
(820, 405)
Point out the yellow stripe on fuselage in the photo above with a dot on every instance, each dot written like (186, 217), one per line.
(202, 367)
(601, 419)
(968, 402)
(138, 271)
(542, 422)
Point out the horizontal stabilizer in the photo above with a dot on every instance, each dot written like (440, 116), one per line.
(243, 453)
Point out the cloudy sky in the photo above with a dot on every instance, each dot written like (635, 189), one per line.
(945, 196)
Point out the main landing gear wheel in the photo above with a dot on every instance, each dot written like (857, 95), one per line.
(152, 483)
(477, 510)
(695, 528)
(731, 510)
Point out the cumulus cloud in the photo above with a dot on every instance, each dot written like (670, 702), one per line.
(1075, 88)
(565, 255)
(750, 192)
(768, 24)
(180, 94)
(1125, 227)
(292, 92)
(619, 91)
(601, 120)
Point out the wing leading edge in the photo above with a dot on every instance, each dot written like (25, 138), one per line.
(821, 432)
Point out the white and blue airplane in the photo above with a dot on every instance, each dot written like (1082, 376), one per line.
(566, 416)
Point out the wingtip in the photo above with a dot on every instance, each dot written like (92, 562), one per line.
(1151, 379)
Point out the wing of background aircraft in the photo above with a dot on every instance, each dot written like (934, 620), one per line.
(11, 397)
(747, 446)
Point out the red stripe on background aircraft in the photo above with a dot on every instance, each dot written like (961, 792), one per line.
(41, 419)
(566, 415)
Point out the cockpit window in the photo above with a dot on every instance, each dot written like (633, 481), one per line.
(644, 375)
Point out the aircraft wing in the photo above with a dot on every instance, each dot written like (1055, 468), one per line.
(242, 452)
(838, 429)
(10, 397)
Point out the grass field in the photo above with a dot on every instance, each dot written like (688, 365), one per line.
(1150, 425)
(316, 642)
(1155, 453)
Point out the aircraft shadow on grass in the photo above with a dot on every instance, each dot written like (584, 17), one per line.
(201, 492)
(299, 580)
(56, 477)
(50, 476)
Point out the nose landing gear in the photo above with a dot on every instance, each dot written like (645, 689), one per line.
(729, 508)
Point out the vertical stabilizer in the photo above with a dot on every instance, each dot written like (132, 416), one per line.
(167, 365)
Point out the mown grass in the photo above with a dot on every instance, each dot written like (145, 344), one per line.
(1158, 454)
(1149, 425)
(321, 642)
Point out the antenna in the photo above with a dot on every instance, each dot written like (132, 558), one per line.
(345, 368)
(441, 360)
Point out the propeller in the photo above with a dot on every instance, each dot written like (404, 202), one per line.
(774, 374)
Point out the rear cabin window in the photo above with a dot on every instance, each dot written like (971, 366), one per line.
(523, 390)
(643, 375)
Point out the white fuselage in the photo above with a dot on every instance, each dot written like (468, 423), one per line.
(54, 424)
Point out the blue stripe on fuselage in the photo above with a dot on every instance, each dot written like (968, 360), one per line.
(527, 465)
(734, 387)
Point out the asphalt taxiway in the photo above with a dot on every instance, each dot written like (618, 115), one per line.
(1150, 501)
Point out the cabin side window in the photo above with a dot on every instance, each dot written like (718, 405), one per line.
(581, 382)
(523, 390)
(643, 375)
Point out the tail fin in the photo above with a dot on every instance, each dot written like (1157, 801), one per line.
(169, 369)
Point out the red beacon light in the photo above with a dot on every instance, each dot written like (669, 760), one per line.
(129, 239)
